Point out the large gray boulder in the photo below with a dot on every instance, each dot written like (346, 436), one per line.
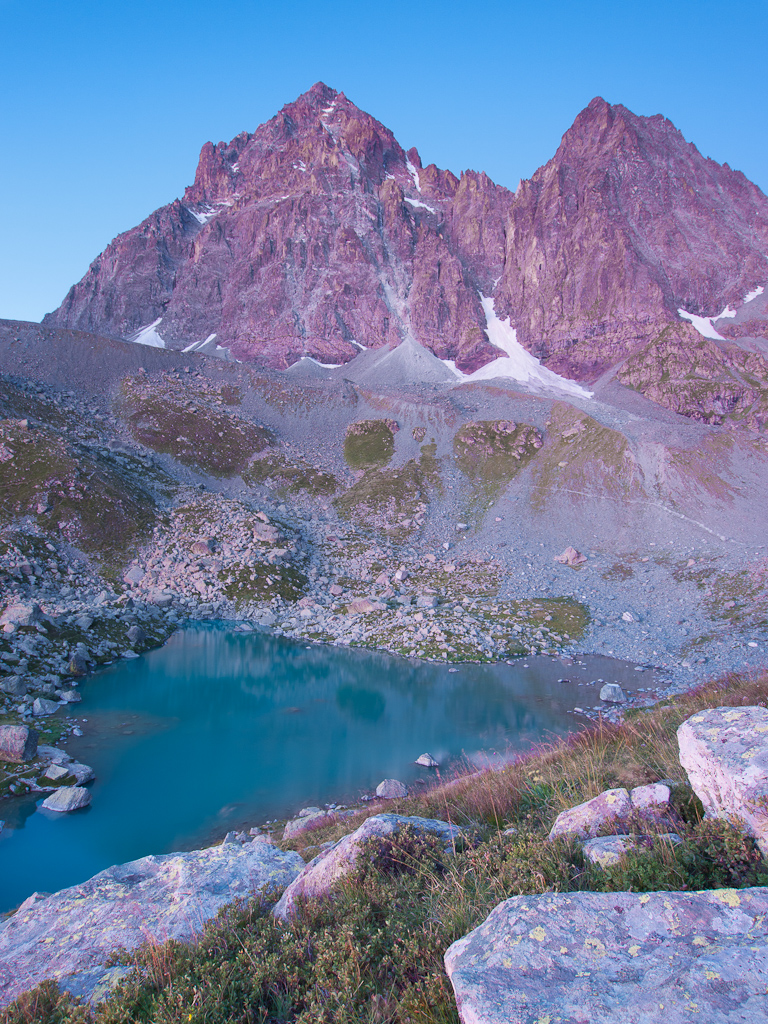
(18, 743)
(725, 753)
(616, 958)
(586, 820)
(320, 874)
(70, 934)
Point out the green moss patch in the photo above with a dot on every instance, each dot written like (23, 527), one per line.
(369, 443)
(289, 476)
(492, 452)
(177, 421)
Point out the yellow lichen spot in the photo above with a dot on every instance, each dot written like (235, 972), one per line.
(506, 962)
(732, 716)
(698, 718)
(634, 950)
(546, 1019)
(563, 949)
(611, 798)
(48, 939)
(583, 974)
(700, 941)
(728, 896)
(645, 898)
(748, 755)
(596, 944)
(712, 975)
(538, 933)
(761, 728)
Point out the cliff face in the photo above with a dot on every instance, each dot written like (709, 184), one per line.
(318, 235)
(626, 224)
(313, 236)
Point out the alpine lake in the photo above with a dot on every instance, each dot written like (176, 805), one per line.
(222, 730)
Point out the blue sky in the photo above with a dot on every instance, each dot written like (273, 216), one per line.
(104, 105)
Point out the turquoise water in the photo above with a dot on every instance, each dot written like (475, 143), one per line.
(218, 730)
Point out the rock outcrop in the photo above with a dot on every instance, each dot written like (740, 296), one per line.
(339, 860)
(68, 936)
(317, 236)
(17, 743)
(725, 753)
(616, 957)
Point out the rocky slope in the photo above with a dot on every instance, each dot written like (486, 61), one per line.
(318, 234)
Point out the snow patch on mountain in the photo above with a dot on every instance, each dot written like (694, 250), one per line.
(703, 325)
(518, 363)
(149, 335)
(754, 294)
(414, 174)
(417, 203)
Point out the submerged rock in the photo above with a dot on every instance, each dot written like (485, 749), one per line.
(339, 860)
(613, 693)
(616, 957)
(427, 761)
(725, 753)
(70, 935)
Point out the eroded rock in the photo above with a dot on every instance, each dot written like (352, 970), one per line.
(585, 820)
(68, 798)
(391, 789)
(725, 753)
(70, 934)
(615, 958)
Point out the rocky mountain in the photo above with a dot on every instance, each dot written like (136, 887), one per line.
(319, 236)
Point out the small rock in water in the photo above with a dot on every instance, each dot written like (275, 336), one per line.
(68, 798)
(71, 696)
(612, 692)
(78, 666)
(427, 761)
(136, 635)
(56, 772)
(391, 789)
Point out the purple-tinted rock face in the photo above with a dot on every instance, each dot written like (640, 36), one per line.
(626, 224)
(317, 234)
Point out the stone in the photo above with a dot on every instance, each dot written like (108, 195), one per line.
(570, 557)
(427, 761)
(204, 546)
(339, 860)
(426, 601)
(360, 606)
(605, 851)
(265, 532)
(66, 799)
(725, 753)
(616, 958)
(586, 819)
(78, 665)
(654, 797)
(134, 575)
(18, 743)
(14, 686)
(84, 622)
(336, 590)
(612, 692)
(71, 696)
(136, 635)
(70, 935)
(304, 822)
(23, 613)
(54, 772)
(42, 707)
(391, 789)
(627, 617)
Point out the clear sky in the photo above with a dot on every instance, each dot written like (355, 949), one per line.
(104, 105)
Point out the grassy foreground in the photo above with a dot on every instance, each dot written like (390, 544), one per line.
(373, 952)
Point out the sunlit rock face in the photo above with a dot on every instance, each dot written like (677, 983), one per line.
(319, 235)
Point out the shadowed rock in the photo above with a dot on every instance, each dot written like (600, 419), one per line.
(17, 743)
